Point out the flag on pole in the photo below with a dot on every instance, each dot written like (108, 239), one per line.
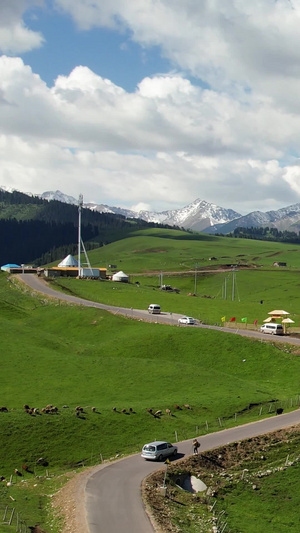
(245, 319)
(232, 319)
(223, 319)
(255, 322)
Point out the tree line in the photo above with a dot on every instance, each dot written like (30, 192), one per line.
(42, 231)
(265, 234)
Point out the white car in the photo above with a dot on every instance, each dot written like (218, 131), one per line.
(158, 450)
(187, 320)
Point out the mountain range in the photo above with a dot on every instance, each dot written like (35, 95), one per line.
(197, 216)
(200, 215)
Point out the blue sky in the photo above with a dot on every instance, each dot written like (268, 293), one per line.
(107, 52)
(150, 104)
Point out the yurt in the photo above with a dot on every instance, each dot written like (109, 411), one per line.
(120, 276)
(68, 261)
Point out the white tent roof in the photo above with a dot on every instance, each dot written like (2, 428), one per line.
(120, 274)
(68, 261)
(278, 312)
(288, 321)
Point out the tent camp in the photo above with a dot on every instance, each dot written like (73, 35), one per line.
(68, 261)
(120, 276)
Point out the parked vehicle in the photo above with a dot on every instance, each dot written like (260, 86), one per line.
(272, 329)
(158, 450)
(154, 309)
(187, 320)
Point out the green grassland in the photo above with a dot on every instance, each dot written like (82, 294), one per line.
(174, 250)
(277, 289)
(53, 353)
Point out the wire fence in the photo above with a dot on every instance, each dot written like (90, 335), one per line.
(249, 414)
(9, 516)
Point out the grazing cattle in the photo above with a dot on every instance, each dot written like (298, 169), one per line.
(150, 411)
(158, 413)
(279, 411)
(177, 407)
(42, 461)
(187, 406)
(17, 472)
(26, 407)
(3, 409)
(36, 529)
(94, 409)
(123, 411)
(79, 409)
(168, 411)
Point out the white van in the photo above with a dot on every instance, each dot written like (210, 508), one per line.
(272, 329)
(158, 450)
(154, 309)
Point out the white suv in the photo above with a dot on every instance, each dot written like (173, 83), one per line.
(187, 320)
(158, 450)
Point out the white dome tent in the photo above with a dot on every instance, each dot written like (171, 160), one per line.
(68, 261)
(120, 276)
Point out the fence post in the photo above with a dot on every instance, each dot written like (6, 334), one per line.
(11, 516)
(5, 513)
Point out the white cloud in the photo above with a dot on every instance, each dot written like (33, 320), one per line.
(253, 44)
(15, 37)
(164, 145)
(170, 141)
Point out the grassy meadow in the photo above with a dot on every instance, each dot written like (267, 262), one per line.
(159, 250)
(67, 355)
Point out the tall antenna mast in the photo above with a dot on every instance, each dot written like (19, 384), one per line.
(80, 204)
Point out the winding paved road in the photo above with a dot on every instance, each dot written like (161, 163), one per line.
(113, 492)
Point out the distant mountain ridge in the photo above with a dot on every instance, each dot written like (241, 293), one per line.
(198, 215)
(203, 216)
(285, 219)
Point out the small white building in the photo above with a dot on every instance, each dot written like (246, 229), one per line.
(120, 276)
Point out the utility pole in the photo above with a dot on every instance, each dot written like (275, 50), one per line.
(80, 204)
(195, 284)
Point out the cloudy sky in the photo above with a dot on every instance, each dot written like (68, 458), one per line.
(152, 103)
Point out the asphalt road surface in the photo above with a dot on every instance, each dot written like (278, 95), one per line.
(113, 492)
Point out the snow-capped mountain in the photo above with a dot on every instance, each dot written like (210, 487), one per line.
(59, 196)
(197, 216)
(286, 218)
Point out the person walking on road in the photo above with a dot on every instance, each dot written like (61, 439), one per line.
(196, 446)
